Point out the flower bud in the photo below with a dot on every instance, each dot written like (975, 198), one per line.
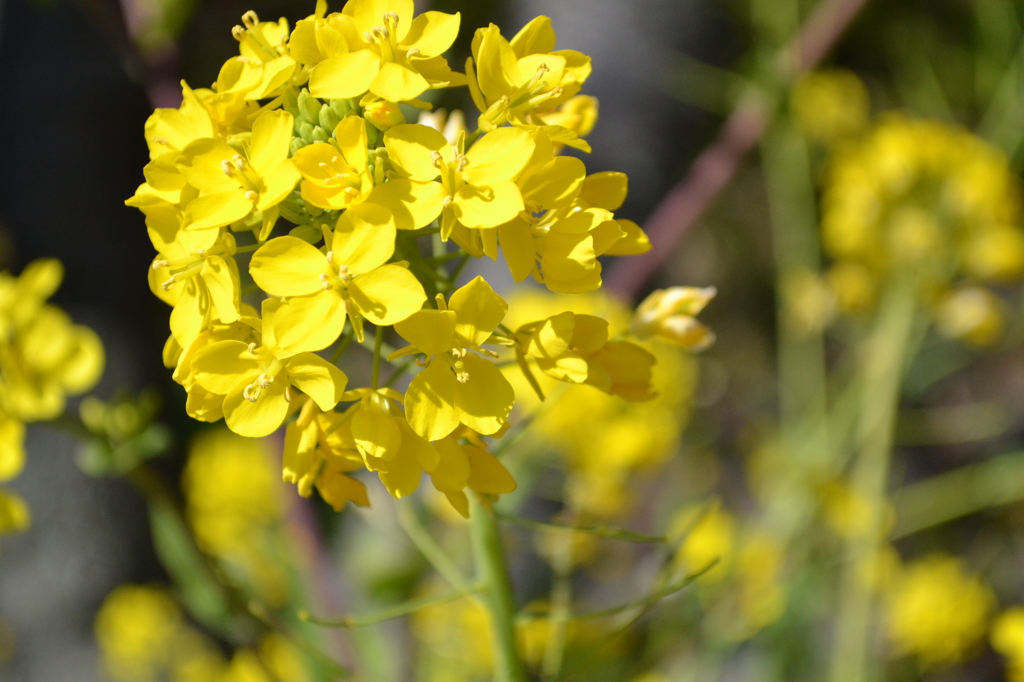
(384, 115)
(669, 314)
(328, 118)
(973, 314)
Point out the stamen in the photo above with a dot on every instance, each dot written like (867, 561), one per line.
(250, 19)
(330, 257)
(436, 157)
(412, 52)
(251, 196)
(252, 348)
(238, 33)
(225, 166)
(160, 263)
(239, 161)
(166, 286)
(161, 140)
(287, 394)
(201, 252)
(265, 380)
(463, 162)
(447, 201)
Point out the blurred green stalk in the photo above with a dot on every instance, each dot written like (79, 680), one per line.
(885, 358)
(496, 591)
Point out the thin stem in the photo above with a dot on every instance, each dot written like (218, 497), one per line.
(496, 588)
(885, 359)
(602, 531)
(345, 340)
(429, 548)
(248, 248)
(378, 339)
(388, 613)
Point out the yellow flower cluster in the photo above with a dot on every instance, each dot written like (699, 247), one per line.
(144, 637)
(604, 438)
(937, 611)
(301, 154)
(1007, 638)
(234, 505)
(927, 198)
(44, 358)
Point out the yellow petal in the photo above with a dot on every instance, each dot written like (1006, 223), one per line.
(191, 312)
(398, 82)
(14, 513)
(401, 475)
(221, 366)
(344, 76)
(497, 64)
(221, 279)
(217, 210)
(337, 488)
(275, 73)
(12, 448)
(432, 33)
(162, 173)
(568, 256)
(556, 183)
(409, 148)
(200, 163)
(536, 37)
(364, 238)
(308, 323)
(271, 139)
(499, 155)
(376, 432)
(479, 310)
(302, 43)
(430, 402)
(288, 266)
(486, 474)
(413, 204)
(387, 295)
(317, 378)
(484, 401)
(553, 337)
(605, 190)
(420, 450)
(259, 418)
(459, 502)
(633, 242)
(487, 206)
(569, 367)
(278, 184)
(630, 369)
(350, 134)
(431, 331)
(517, 244)
(453, 469)
(589, 333)
(367, 14)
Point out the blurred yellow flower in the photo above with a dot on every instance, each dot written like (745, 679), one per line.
(937, 612)
(830, 105)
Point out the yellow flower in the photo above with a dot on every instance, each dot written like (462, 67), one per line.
(352, 280)
(670, 314)
(575, 348)
(456, 386)
(203, 285)
(256, 380)
(937, 612)
(14, 513)
(476, 188)
(514, 81)
(830, 105)
(709, 541)
(1007, 638)
(973, 314)
(337, 175)
(379, 47)
(264, 45)
(317, 452)
(135, 629)
(232, 185)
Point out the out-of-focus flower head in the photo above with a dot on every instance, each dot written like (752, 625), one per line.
(830, 105)
(927, 198)
(234, 503)
(1007, 637)
(144, 637)
(671, 314)
(937, 611)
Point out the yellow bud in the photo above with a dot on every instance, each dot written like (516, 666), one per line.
(973, 314)
(669, 314)
(383, 115)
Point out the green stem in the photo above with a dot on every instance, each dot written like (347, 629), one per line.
(428, 547)
(886, 353)
(345, 340)
(496, 589)
(388, 613)
(378, 339)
